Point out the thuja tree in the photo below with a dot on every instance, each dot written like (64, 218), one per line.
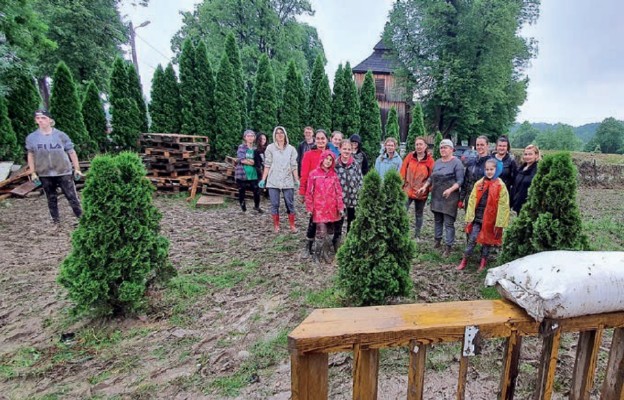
(264, 101)
(65, 108)
(205, 86)
(136, 93)
(165, 101)
(8, 141)
(290, 116)
(117, 250)
(23, 100)
(416, 128)
(351, 105)
(240, 94)
(94, 117)
(188, 85)
(370, 118)
(392, 124)
(367, 270)
(550, 219)
(126, 117)
(319, 100)
(227, 111)
(338, 100)
(436, 146)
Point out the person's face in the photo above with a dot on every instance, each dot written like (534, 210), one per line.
(529, 156)
(280, 136)
(250, 138)
(321, 141)
(308, 134)
(481, 147)
(501, 148)
(43, 122)
(336, 139)
(421, 147)
(446, 151)
(263, 140)
(390, 147)
(327, 162)
(490, 170)
(355, 146)
(345, 151)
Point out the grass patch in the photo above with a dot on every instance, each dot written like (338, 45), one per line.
(490, 293)
(326, 298)
(605, 234)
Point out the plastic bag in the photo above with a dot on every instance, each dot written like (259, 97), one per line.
(563, 284)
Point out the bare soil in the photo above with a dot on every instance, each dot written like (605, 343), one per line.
(218, 331)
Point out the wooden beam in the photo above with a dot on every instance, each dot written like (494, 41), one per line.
(613, 386)
(193, 188)
(365, 372)
(309, 375)
(511, 359)
(551, 331)
(416, 377)
(461, 381)
(585, 364)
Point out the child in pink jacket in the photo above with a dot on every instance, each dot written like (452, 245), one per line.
(324, 197)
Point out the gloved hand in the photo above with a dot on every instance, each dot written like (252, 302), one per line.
(498, 232)
(460, 204)
(35, 179)
(78, 175)
(297, 185)
(262, 184)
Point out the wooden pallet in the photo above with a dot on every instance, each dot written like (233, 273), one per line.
(209, 201)
(173, 138)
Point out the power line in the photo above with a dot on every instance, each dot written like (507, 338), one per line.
(154, 48)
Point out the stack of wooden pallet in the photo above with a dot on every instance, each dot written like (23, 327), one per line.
(218, 178)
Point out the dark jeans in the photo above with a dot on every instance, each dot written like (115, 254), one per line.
(419, 207)
(289, 200)
(249, 185)
(446, 223)
(66, 183)
(472, 241)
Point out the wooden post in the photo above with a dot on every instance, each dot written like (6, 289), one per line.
(585, 364)
(365, 370)
(416, 377)
(510, 366)
(461, 383)
(613, 387)
(309, 374)
(548, 361)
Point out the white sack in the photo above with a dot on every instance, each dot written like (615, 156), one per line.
(562, 284)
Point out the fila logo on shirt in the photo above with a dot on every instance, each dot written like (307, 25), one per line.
(51, 146)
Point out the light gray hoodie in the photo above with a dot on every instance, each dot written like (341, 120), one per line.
(281, 163)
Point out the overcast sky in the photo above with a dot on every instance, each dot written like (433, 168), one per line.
(577, 77)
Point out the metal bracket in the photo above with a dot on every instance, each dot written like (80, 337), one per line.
(470, 345)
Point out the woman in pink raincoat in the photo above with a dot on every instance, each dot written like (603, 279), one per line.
(324, 201)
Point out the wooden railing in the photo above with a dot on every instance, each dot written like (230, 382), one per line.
(365, 330)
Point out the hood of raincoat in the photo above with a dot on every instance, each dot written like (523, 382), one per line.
(324, 155)
(285, 134)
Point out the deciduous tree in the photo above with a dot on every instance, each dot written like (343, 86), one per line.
(610, 136)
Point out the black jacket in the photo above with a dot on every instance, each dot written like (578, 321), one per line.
(510, 168)
(520, 188)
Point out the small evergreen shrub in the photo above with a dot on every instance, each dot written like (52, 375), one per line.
(117, 251)
(416, 128)
(436, 146)
(392, 124)
(550, 219)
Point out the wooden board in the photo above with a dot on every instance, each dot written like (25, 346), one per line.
(209, 201)
(25, 188)
(23, 172)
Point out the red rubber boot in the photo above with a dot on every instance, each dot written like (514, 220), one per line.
(291, 221)
(462, 264)
(483, 264)
(276, 223)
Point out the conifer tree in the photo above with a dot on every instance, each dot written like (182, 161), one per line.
(291, 110)
(204, 101)
(550, 219)
(65, 108)
(320, 108)
(9, 148)
(233, 53)
(94, 117)
(315, 82)
(338, 100)
(351, 119)
(436, 145)
(417, 127)
(188, 90)
(136, 94)
(370, 117)
(125, 114)
(165, 104)
(118, 84)
(117, 250)
(366, 269)
(264, 103)
(227, 111)
(392, 124)
(302, 95)
(23, 100)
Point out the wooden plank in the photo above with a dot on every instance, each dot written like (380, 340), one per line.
(25, 188)
(551, 331)
(193, 188)
(585, 364)
(613, 386)
(365, 373)
(209, 201)
(309, 376)
(417, 367)
(461, 380)
(23, 172)
(5, 196)
(511, 359)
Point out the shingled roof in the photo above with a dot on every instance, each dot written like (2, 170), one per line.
(379, 62)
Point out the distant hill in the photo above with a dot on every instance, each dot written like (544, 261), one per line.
(584, 132)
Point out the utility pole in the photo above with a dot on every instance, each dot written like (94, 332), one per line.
(135, 62)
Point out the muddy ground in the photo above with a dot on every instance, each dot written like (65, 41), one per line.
(219, 329)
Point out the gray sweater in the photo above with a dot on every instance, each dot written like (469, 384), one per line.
(50, 152)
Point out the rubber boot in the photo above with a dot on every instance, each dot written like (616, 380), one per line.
(447, 251)
(276, 223)
(483, 264)
(462, 264)
(291, 222)
(307, 251)
(437, 244)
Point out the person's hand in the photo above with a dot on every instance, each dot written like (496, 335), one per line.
(342, 213)
(421, 190)
(262, 184)
(297, 185)
(460, 204)
(78, 175)
(498, 232)
(447, 193)
(309, 214)
(34, 177)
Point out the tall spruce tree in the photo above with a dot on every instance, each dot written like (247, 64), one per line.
(351, 106)
(436, 146)
(23, 100)
(338, 100)
(227, 111)
(9, 149)
(392, 124)
(65, 108)
(188, 88)
(109, 268)
(550, 219)
(370, 117)
(136, 93)
(292, 108)
(416, 128)
(204, 101)
(233, 53)
(94, 117)
(367, 271)
(165, 104)
(264, 102)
